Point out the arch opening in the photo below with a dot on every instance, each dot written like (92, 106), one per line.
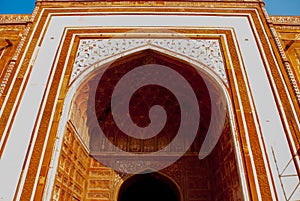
(198, 179)
(148, 187)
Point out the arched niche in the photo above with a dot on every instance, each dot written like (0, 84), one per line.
(221, 164)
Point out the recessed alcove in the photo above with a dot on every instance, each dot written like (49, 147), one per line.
(81, 176)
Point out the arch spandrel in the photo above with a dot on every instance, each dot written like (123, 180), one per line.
(205, 51)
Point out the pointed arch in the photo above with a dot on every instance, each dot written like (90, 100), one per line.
(212, 79)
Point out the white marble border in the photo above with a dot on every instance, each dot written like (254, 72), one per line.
(267, 113)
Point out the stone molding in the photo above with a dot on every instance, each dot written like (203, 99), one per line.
(15, 19)
(288, 20)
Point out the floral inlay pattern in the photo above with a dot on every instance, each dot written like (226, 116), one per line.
(91, 51)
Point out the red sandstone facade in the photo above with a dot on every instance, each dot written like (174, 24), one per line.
(47, 72)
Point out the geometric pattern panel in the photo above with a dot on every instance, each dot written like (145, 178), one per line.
(205, 51)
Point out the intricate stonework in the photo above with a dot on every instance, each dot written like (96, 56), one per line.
(290, 20)
(91, 51)
(15, 18)
(280, 27)
(12, 63)
(266, 14)
(22, 41)
(72, 169)
(292, 79)
(286, 65)
(277, 41)
(34, 13)
(6, 77)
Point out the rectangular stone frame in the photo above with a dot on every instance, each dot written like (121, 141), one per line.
(38, 137)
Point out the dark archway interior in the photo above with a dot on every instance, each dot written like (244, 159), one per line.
(148, 187)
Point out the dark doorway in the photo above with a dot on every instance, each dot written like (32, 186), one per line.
(148, 187)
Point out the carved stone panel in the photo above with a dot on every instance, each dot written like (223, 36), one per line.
(91, 51)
